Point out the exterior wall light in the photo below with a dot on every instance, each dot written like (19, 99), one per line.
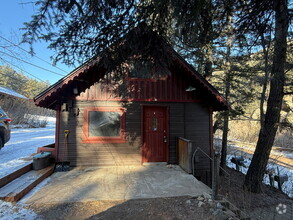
(75, 91)
(190, 89)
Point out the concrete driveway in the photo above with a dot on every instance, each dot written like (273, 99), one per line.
(118, 183)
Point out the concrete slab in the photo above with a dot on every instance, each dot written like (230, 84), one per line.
(119, 183)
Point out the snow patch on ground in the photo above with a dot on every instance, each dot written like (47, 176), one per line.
(16, 154)
(51, 121)
(23, 143)
(287, 187)
(10, 166)
(35, 189)
(9, 211)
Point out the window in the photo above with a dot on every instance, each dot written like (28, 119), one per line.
(142, 69)
(104, 125)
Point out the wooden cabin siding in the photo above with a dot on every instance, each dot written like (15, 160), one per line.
(176, 129)
(187, 117)
(167, 89)
(197, 129)
(189, 120)
(95, 154)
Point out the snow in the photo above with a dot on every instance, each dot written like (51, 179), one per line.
(15, 154)
(9, 211)
(22, 144)
(287, 186)
(11, 92)
(35, 189)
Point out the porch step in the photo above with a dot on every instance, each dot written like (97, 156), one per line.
(19, 187)
(12, 176)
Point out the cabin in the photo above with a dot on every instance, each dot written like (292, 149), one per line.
(130, 109)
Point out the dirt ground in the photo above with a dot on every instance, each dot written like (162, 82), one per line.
(259, 206)
(159, 208)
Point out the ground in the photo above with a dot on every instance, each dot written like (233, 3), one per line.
(259, 206)
(159, 208)
(24, 142)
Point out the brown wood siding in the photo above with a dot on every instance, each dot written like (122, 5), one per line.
(96, 154)
(189, 120)
(197, 122)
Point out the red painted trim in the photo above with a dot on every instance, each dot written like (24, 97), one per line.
(166, 89)
(138, 90)
(57, 133)
(146, 100)
(150, 89)
(119, 139)
(144, 92)
(45, 98)
(47, 149)
(141, 131)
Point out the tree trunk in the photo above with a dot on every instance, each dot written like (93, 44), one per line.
(228, 79)
(266, 77)
(255, 173)
(224, 143)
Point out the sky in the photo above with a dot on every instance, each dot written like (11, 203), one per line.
(13, 13)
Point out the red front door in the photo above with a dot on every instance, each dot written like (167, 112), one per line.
(155, 137)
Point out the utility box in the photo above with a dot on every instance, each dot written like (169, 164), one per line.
(41, 160)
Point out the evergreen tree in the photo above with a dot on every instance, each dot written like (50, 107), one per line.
(259, 12)
(20, 83)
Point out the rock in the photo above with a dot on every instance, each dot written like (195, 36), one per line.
(230, 213)
(219, 206)
(218, 212)
(188, 202)
(200, 204)
(220, 215)
(206, 195)
(210, 200)
(200, 198)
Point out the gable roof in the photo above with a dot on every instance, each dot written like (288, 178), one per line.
(94, 69)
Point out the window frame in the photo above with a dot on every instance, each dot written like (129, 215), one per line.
(152, 72)
(103, 139)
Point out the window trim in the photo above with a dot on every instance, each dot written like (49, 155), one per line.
(91, 139)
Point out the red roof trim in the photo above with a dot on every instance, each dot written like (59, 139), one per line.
(75, 74)
(201, 80)
(64, 81)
